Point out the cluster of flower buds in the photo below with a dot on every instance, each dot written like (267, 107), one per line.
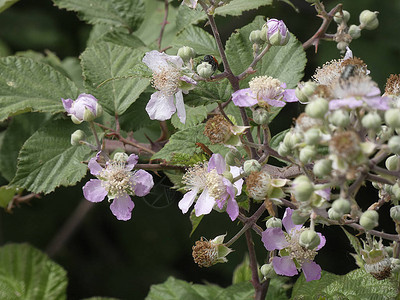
(274, 32)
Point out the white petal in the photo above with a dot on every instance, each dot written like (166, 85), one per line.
(160, 107)
(155, 60)
(204, 204)
(187, 200)
(180, 106)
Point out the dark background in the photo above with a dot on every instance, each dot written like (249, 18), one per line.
(107, 257)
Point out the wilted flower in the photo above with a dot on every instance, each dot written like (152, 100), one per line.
(292, 255)
(220, 131)
(215, 189)
(169, 80)
(117, 181)
(84, 108)
(265, 91)
(208, 253)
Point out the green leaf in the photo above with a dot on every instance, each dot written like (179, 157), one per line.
(4, 4)
(174, 289)
(27, 273)
(209, 92)
(123, 39)
(242, 272)
(277, 139)
(119, 13)
(6, 195)
(195, 221)
(194, 116)
(113, 63)
(277, 288)
(26, 86)
(48, 160)
(200, 40)
(354, 241)
(185, 142)
(356, 284)
(284, 63)
(19, 130)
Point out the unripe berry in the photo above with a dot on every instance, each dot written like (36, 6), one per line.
(392, 118)
(121, 157)
(371, 120)
(342, 46)
(312, 136)
(369, 219)
(340, 118)
(307, 154)
(341, 206)
(186, 53)
(334, 215)
(255, 37)
(395, 213)
(283, 150)
(267, 270)
(394, 144)
(77, 136)
(338, 16)
(395, 191)
(273, 223)
(233, 158)
(305, 90)
(205, 70)
(317, 108)
(309, 239)
(251, 166)
(392, 163)
(261, 116)
(322, 167)
(303, 188)
(369, 19)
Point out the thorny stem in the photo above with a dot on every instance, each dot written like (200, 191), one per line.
(250, 69)
(158, 167)
(164, 23)
(95, 135)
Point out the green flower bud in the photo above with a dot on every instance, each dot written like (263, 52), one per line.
(369, 19)
(273, 223)
(394, 144)
(385, 133)
(389, 250)
(340, 118)
(338, 17)
(186, 53)
(261, 116)
(392, 163)
(371, 120)
(302, 188)
(304, 90)
(251, 166)
(395, 190)
(312, 136)
(233, 158)
(369, 219)
(334, 215)
(354, 31)
(299, 218)
(77, 136)
(342, 206)
(395, 213)
(290, 140)
(88, 115)
(395, 265)
(309, 239)
(228, 175)
(267, 270)
(283, 150)
(317, 108)
(392, 118)
(205, 70)
(121, 156)
(322, 167)
(307, 154)
(255, 37)
(342, 46)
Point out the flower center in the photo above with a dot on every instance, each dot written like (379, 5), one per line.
(296, 251)
(205, 254)
(166, 80)
(258, 184)
(345, 144)
(116, 179)
(216, 186)
(218, 129)
(266, 87)
(196, 177)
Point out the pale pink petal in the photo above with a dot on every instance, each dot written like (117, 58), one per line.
(155, 60)
(232, 208)
(188, 80)
(322, 241)
(244, 98)
(180, 107)
(160, 107)
(287, 221)
(325, 193)
(236, 171)
(67, 103)
(94, 191)
(142, 182)
(347, 102)
(121, 207)
(284, 266)
(311, 270)
(275, 103)
(290, 96)
(204, 204)
(348, 54)
(94, 166)
(274, 239)
(380, 103)
(174, 59)
(187, 200)
(131, 162)
(217, 162)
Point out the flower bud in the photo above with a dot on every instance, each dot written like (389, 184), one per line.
(317, 108)
(273, 223)
(371, 120)
(354, 31)
(305, 90)
(338, 18)
(267, 270)
(290, 140)
(334, 215)
(205, 70)
(307, 154)
(394, 144)
(385, 133)
(369, 219)
(261, 116)
(275, 32)
(302, 188)
(77, 136)
(340, 118)
(255, 37)
(369, 19)
(309, 239)
(251, 166)
(395, 191)
(283, 150)
(84, 108)
(312, 136)
(322, 167)
(395, 213)
(392, 162)
(299, 217)
(342, 206)
(186, 53)
(233, 158)
(392, 118)
(121, 157)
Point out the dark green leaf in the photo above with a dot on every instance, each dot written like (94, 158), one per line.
(277, 139)
(4, 4)
(27, 273)
(194, 116)
(242, 272)
(6, 195)
(195, 221)
(200, 40)
(209, 92)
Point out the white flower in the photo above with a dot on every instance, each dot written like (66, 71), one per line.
(170, 83)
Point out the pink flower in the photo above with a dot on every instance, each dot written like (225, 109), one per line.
(84, 108)
(117, 181)
(292, 254)
(276, 32)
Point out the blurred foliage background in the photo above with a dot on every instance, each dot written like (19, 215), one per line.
(107, 257)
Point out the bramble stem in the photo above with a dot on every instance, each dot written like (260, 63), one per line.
(164, 23)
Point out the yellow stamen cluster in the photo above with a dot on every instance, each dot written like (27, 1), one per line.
(116, 178)
(215, 185)
(196, 177)
(166, 80)
(258, 185)
(266, 87)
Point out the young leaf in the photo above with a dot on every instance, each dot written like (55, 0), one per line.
(26, 85)
(48, 160)
(6, 195)
(27, 273)
(110, 65)
(242, 272)
(194, 116)
(195, 221)
(4, 4)
(118, 13)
